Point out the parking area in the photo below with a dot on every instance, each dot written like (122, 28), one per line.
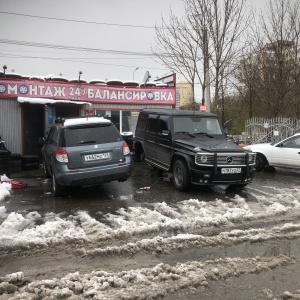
(205, 243)
(107, 197)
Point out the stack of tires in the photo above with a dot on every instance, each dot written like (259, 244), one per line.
(30, 162)
(15, 163)
(5, 163)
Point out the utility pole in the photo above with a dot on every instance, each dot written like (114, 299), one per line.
(206, 71)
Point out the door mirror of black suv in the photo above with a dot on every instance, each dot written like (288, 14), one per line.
(41, 141)
(165, 132)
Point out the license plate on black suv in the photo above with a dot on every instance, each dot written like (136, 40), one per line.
(231, 170)
(98, 156)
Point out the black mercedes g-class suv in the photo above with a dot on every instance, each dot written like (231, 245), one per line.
(192, 148)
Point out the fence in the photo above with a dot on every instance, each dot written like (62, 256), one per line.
(261, 130)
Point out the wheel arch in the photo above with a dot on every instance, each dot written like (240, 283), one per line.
(182, 157)
(264, 160)
(138, 149)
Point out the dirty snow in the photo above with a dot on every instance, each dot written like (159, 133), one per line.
(157, 229)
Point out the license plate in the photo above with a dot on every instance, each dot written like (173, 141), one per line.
(97, 156)
(231, 170)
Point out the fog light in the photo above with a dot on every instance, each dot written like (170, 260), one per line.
(201, 180)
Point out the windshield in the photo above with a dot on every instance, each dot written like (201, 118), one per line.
(196, 125)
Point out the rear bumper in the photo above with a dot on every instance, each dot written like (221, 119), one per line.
(94, 176)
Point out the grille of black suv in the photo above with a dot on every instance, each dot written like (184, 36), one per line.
(223, 159)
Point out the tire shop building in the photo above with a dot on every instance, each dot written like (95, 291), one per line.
(29, 106)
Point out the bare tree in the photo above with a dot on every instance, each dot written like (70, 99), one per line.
(176, 48)
(210, 31)
(275, 57)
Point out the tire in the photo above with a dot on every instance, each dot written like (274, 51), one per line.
(15, 166)
(15, 163)
(4, 154)
(15, 157)
(139, 152)
(30, 162)
(181, 175)
(46, 172)
(4, 161)
(28, 167)
(142, 156)
(261, 163)
(5, 170)
(58, 190)
(30, 159)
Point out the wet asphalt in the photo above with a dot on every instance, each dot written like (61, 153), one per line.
(109, 197)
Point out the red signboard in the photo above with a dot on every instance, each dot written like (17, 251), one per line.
(203, 108)
(87, 92)
(90, 112)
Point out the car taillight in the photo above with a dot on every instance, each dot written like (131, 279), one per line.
(62, 156)
(126, 149)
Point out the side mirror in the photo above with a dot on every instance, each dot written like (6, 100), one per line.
(165, 132)
(126, 134)
(42, 141)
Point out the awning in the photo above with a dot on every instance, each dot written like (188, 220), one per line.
(49, 101)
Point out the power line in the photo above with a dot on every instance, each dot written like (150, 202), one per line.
(43, 45)
(76, 61)
(78, 21)
(9, 51)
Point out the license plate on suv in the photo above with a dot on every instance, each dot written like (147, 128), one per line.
(97, 156)
(231, 170)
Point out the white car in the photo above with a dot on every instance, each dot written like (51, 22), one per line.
(285, 153)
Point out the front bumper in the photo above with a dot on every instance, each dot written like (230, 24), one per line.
(209, 176)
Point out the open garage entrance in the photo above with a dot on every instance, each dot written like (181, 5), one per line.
(33, 128)
(36, 120)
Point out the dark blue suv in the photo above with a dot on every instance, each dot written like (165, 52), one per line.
(85, 151)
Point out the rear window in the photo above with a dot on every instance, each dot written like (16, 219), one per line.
(76, 136)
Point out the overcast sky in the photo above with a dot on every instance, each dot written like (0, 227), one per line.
(49, 22)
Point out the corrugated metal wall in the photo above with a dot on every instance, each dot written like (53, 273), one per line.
(10, 124)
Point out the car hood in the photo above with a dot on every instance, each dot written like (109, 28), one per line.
(209, 145)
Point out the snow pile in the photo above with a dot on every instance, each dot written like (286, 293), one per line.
(155, 229)
(18, 231)
(188, 216)
(5, 188)
(146, 283)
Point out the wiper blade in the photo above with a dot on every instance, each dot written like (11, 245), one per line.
(206, 134)
(87, 142)
(185, 132)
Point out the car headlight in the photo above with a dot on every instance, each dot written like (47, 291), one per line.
(203, 158)
(252, 158)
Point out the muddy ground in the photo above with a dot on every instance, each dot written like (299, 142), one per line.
(251, 257)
